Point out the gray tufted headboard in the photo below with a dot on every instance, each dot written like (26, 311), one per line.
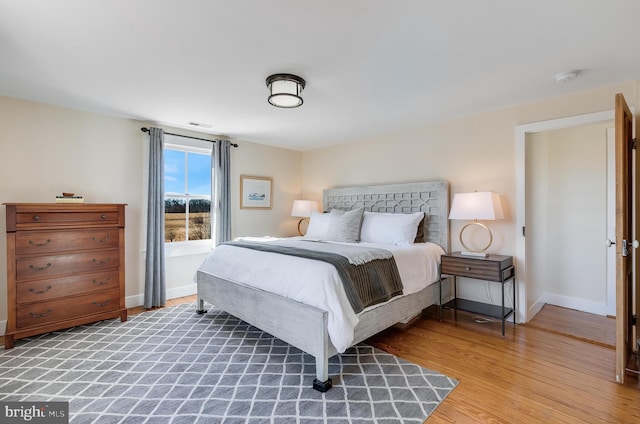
(431, 197)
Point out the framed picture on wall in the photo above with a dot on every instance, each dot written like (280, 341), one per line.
(255, 192)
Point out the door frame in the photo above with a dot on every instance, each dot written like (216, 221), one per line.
(611, 221)
(524, 311)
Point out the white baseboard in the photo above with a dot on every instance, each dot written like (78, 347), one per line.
(567, 302)
(3, 327)
(535, 308)
(138, 299)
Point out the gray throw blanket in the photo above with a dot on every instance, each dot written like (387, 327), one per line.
(371, 282)
(357, 255)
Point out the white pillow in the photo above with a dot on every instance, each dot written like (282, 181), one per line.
(390, 228)
(318, 225)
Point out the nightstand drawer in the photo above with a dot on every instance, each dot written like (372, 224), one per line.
(483, 269)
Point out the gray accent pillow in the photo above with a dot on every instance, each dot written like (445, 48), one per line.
(420, 238)
(345, 226)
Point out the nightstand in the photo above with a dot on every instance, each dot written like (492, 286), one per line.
(494, 268)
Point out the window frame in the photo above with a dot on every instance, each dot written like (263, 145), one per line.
(189, 247)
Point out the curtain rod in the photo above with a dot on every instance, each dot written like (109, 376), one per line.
(143, 129)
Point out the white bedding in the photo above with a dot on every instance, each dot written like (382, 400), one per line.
(317, 283)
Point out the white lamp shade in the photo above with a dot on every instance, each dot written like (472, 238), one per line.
(484, 205)
(303, 208)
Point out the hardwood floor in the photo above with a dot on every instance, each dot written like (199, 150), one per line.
(531, 375)
(579, 325)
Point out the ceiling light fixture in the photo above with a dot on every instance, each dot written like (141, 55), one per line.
(285, 90)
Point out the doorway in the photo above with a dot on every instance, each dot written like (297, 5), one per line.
(567, 218)
(625, 198)
(528, 294)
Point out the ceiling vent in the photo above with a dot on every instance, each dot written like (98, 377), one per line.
(199, 124)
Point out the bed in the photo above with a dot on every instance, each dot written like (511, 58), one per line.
(310, 331)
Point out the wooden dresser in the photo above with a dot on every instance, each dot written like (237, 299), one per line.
(65, 266)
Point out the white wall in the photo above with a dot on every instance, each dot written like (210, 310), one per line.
(537, 214)
(45, 150)
(472, 153)
(285, 167)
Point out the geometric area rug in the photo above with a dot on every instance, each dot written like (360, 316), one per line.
(172, 365)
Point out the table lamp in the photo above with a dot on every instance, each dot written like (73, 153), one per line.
(484, 205)
(302, 209)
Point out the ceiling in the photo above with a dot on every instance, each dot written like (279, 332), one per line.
(373, 67)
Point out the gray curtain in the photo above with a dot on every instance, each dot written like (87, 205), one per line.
(221, 190)
(154, 281)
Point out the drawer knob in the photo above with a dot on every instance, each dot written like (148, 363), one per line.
(100, 241)
(33, 243)
(42, 315)
(101, 283)
(34, 291)
(468, 268)
(39, 268)
(99, 262)
(105, 303)
(103, 216)
(36, 217)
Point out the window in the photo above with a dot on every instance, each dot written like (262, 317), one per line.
(187, 198)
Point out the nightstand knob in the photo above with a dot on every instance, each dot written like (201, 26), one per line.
(468, 268)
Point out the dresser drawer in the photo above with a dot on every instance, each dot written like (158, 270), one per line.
(37, 314)
(40, 267)
(473, 268)
(39, 242)
(36, 219)
(41, 290)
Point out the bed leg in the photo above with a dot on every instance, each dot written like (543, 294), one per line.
(322, 386)
(200, 306)
(322, 382)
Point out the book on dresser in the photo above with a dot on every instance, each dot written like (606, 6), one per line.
(69, 199)
(65, 266)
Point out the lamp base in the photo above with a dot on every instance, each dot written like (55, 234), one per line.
(476, 254)
(471, 252)
(300, 226)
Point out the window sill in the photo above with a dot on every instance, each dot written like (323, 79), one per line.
(176, 249)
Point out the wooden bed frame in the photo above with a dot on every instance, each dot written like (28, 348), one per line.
(308, 332)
